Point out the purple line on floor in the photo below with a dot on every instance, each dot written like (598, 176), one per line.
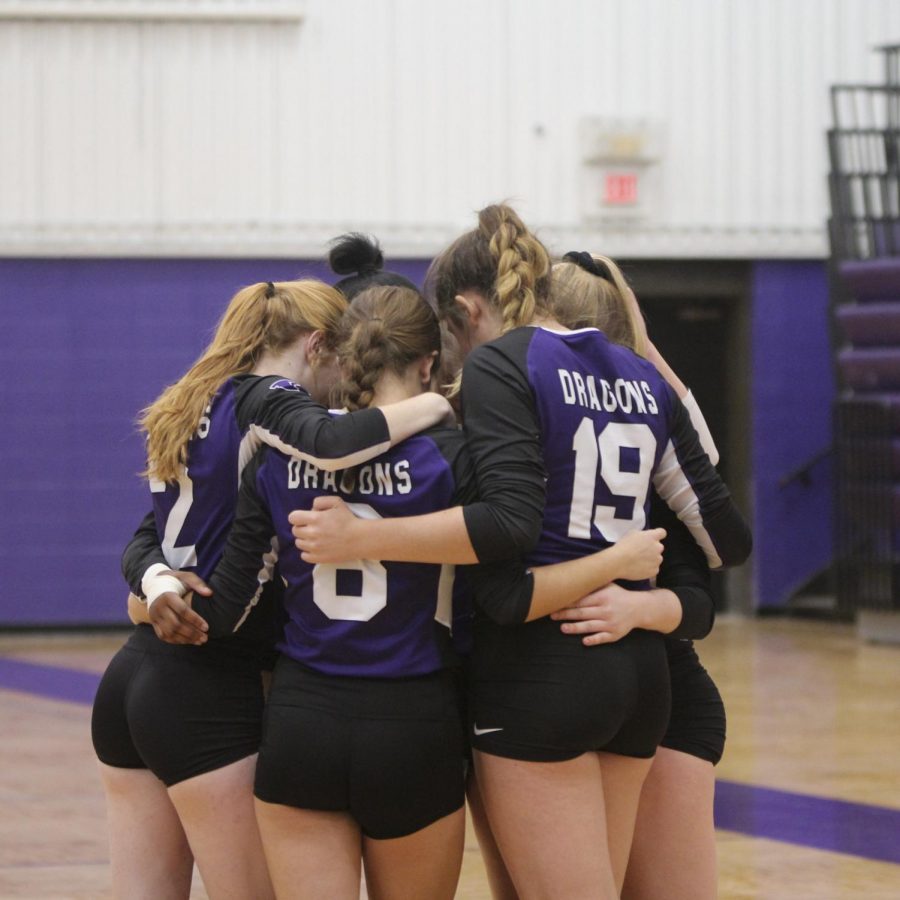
(53, 682)
(859, 829)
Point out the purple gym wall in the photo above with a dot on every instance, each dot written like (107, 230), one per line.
(792, 391)
(85, 345)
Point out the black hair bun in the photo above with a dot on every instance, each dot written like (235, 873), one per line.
(355, 253)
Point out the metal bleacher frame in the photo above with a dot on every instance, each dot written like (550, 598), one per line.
(864, 230)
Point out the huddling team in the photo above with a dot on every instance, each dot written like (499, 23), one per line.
(438, 612)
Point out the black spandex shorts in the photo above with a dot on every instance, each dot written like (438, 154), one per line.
(539, 695)
(388, 751)
(697, 722)
(174, 711)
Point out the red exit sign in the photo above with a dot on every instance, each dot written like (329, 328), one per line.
(620, 189)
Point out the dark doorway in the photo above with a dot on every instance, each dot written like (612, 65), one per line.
(698, 316)
(695, 337)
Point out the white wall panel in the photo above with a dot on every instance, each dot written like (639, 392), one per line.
(231, 126)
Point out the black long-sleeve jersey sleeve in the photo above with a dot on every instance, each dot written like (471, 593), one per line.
(685, 572)
(503, 590)
(281, 414)
(690, 486)
(500, 423)
(236, 586)
(142, 551)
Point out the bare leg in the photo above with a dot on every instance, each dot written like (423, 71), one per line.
(217, 812)
(425, 863)
(139, 811)
(549, 820)
(312, 855)
(500, 883)
(623, 777)
(674, 824)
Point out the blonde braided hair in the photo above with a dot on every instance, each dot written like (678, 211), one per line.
(502, 261)
(522, 266)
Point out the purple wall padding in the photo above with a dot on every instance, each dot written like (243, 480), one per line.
(84, 345)
(792, 393)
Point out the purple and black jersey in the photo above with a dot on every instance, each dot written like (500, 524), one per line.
(568, 432)
(363, 617)
(191, 518)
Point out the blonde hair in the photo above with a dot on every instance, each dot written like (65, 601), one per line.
(384, 329)
(450, 370)
(261, 318)
(581, 299)
(502, 260)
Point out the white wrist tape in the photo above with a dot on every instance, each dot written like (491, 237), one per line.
(154, 584)
(155, 569)
(702, 429)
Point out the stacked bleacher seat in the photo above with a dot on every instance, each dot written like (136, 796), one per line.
(864, 149)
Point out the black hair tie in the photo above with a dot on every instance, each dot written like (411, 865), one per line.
(585, 261)
(270, 290)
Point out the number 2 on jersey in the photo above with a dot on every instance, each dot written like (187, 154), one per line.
(626, 476)
(184, 556)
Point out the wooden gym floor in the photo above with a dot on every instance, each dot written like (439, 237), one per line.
(808, 802)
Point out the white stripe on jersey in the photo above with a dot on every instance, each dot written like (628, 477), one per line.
(250, 443)
(263, 577)
(443, 614)
(328, 464)
(673, 487)
(700, 426)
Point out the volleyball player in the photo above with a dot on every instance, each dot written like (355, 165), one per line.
(363, 749)
(176, 729)
(590, 291)
(675, 815)
(542, 406)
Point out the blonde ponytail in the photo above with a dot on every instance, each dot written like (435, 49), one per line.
(600, 298)
(261, 318)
